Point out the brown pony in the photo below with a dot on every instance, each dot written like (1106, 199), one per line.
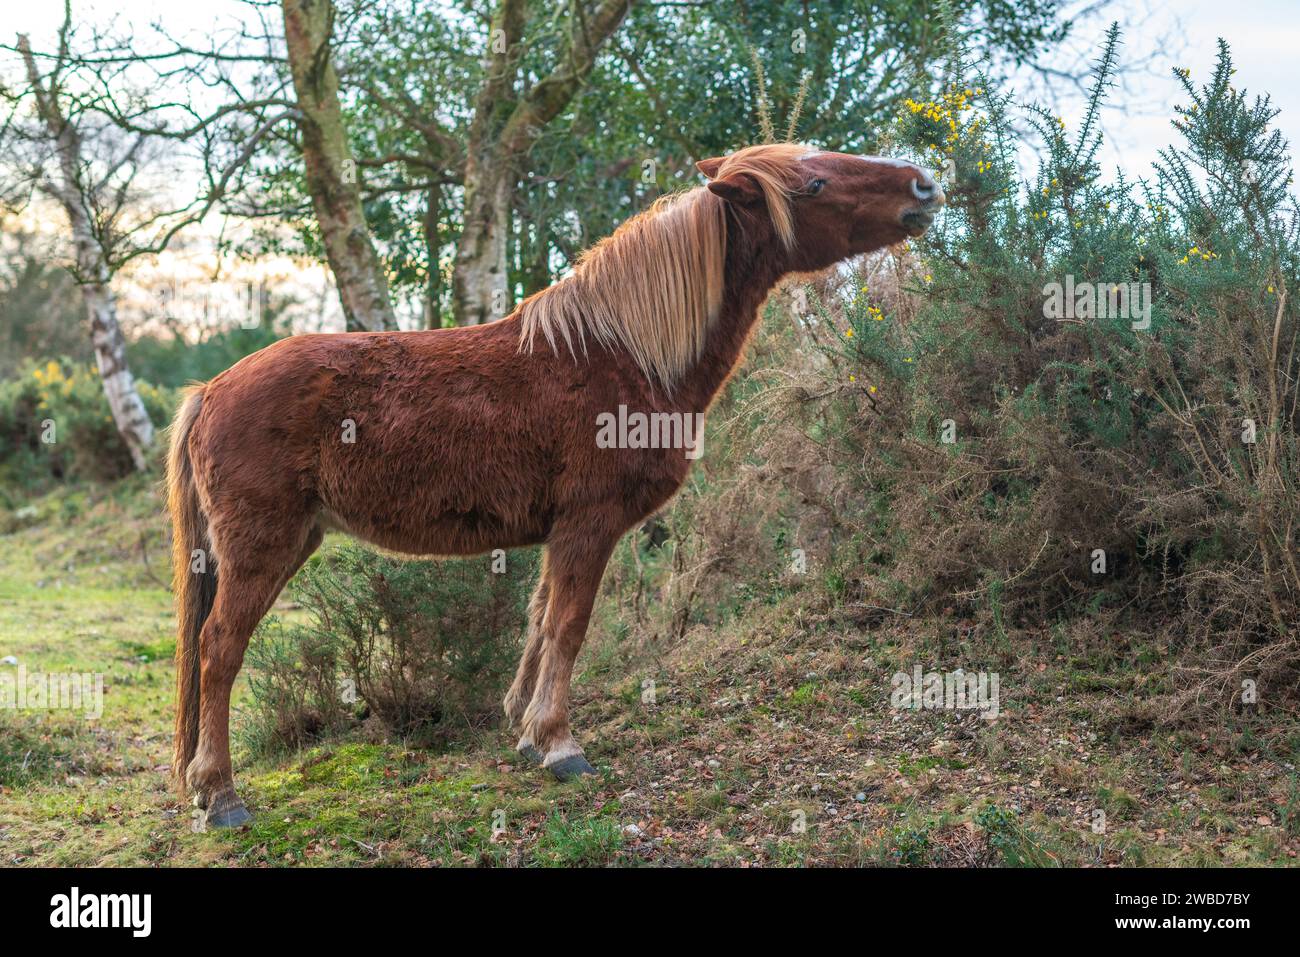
(459, 441)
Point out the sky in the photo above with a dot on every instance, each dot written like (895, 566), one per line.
(1264, 37)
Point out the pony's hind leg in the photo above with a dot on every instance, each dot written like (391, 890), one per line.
(250, 574)
(576, 562)
(521, 690)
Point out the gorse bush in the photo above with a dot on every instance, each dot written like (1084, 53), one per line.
(297, 688)
(55, 424)
(1069, 410)
(1079, 395)
(425, 647)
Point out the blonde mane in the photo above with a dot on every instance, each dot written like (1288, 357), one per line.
(654, 287)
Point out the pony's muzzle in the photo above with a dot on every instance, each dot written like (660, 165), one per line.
(918, 219)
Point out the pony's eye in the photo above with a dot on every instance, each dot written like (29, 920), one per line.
(815, 186)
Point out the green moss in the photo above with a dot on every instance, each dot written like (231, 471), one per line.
(578, 842)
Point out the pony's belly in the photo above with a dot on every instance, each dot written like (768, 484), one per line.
(470, 533)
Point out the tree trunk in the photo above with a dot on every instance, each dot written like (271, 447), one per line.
(504, 128)
(95, 279)
(332, 179)
(129, 414)
(480, 281)
(479, 275)
(433, 251)
(94, 274)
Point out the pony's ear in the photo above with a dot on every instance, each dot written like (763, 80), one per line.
(710, 167)
(739, 188)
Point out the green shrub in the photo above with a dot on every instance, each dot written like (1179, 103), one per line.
(910, 846)
(427, 647)
(941, 444)
(55, 424)
(294, 680)
(987, 450)
(1008, 840)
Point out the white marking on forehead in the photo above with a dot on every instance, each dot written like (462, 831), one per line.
(890, 161)
(887, 160)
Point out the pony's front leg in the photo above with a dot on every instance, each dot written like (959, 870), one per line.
(521, 691)
(576, 563)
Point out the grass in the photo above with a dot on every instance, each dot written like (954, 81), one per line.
(760, 746)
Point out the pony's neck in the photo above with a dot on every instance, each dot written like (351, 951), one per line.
(749, 274)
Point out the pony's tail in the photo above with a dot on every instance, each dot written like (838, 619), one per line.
(194, 582)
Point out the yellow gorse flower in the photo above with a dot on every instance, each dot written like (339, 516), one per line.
(949, 127)
(1196, 252)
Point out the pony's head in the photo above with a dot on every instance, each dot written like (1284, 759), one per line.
(655, 287)
(824, 207)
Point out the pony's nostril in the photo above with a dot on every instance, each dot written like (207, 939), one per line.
(925, 192)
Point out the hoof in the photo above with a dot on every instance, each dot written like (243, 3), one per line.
(574, 766)
(530, 752)
(227, 813)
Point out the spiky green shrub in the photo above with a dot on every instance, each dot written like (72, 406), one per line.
(425, 647)
(1028, 463)
(55, 424)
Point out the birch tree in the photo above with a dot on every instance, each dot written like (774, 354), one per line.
(63, 141)
(70, 182)
(507, 123)
(331, 169)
